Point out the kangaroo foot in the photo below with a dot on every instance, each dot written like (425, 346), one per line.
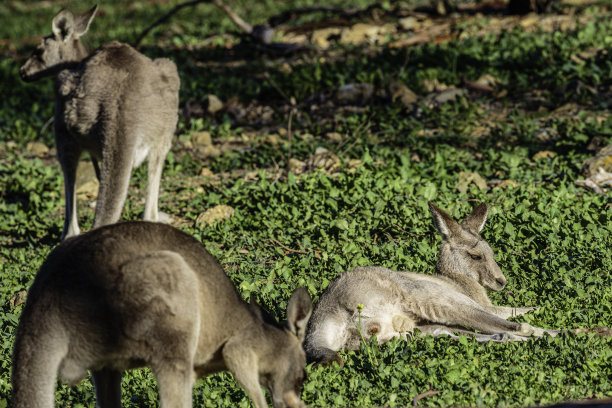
(402, 324)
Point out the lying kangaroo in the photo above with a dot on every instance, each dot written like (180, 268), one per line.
(116, 104)
(394, 303)
(138, 293)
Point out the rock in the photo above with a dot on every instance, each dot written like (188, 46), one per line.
(18, 298)
(296, 166)
(602, 159)
(442, 97)
(433, 85)
(544, 154)
(488, 80)
(597, 181)
(87, 183)
(37, 148)
(400, 91)
(212, 104)
(216, 213)
(201, 139)
(408, 23)
(354, 93)
(321, 37)
(546, 134)
(465, 178)
(334, 136)
(272, 139)
(359, 33)
(206, 173)
(324, 159)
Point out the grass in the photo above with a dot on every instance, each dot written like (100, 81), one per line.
(552, 239)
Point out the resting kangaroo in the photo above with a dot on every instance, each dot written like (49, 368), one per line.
(116, 104)
(139, 293)
(395, 303)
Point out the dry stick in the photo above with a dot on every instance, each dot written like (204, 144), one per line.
(243, 25)
(166, 17)
(286, 248)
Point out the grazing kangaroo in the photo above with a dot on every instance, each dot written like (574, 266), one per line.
(139, 293)
(394, 303)
(116, 104)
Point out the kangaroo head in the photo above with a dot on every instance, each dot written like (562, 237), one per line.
(282, 369)
(463, 252)
(63, 46)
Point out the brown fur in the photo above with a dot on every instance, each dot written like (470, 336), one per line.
(139, 293)
(395, 303)
(115, 104)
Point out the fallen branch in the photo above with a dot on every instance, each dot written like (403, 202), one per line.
(261, 33)
(286, 248)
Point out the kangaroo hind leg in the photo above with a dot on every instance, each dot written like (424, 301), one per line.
(37, 358)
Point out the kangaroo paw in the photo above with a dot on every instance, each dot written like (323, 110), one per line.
(402, 324)
(523, 310)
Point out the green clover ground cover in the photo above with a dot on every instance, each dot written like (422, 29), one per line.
(552, 239)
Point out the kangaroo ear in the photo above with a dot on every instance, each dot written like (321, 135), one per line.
(299, 309)
(82, 21)
(260, 313)
(476, 220)
(256, 308)
(445, 224)
(63, 25)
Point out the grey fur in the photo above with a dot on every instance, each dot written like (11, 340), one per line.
(395, 303)
(146, 294)
(116, 104)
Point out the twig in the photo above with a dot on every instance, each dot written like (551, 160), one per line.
(286, 248)
(417, 398)
(262, 34)
(166, 17)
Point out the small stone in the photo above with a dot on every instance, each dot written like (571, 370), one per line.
(212, 104)
(201, 139)
(296, 166)
(18, 298)
(544, 154)
(334, 136)
(408, 23)
(87, 183)
(400, 91)
(354, 93)
(359, 33)
(321, 37)
(216, 213)
(37, 148)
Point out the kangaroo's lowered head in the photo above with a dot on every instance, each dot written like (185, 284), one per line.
(463, 253)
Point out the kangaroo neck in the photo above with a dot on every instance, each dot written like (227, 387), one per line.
(467, 286)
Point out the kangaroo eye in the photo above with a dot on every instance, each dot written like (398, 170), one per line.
(475, 257)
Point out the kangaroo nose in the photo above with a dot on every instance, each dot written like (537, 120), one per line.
(501, 282)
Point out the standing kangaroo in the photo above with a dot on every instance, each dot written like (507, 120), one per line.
(138, 293)
(116, 104)
(387, 303)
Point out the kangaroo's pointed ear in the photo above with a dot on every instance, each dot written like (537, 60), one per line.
(476, 220)
(260, 313)
(299, 309)
(82, 21)
(256, 308)
(63, 25)
(445, 224)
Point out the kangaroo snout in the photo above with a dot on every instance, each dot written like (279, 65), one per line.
(501, 282)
